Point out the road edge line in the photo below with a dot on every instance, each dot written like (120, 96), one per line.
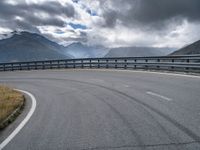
(147, 71)
(24, 122)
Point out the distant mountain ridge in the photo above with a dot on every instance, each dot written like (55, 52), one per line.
(138, 52)
(191, 49)
(79, 50)
(27, 46)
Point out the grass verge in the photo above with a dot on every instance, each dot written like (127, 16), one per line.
(11, 104)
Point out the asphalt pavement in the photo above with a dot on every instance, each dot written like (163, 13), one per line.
(106, 110)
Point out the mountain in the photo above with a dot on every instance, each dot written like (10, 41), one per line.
(138, 52)
(79, 50)
(25, 46)
(191, 49)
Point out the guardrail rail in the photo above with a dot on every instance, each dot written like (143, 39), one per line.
(186, 63)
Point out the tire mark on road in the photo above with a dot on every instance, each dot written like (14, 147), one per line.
(125, 121)
(186, 130)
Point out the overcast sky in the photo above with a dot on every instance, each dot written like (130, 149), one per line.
(112, 23)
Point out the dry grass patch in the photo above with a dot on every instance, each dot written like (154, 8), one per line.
(10, 100)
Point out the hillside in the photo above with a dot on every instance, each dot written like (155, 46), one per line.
(191, 49)
(27, 46)
(138, 52)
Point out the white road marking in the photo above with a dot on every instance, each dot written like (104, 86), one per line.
(23, 123)
(165, 73)
(158, 95)
(127, 86)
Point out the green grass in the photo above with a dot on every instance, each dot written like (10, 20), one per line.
(10, 100)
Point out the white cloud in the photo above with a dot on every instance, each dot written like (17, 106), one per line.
(5, 30)
(182, 35)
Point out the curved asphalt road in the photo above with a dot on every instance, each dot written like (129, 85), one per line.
(96, 109)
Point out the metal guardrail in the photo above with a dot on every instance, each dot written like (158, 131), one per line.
(184, 63)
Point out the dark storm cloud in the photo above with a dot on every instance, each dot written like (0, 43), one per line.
(150, 13)
(25, 26)
(30, 14)
(18, 25)
(110, 18)
(54, 8)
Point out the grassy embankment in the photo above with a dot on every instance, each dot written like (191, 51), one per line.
(11, 103)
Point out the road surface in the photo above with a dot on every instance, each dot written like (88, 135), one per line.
(103, 110)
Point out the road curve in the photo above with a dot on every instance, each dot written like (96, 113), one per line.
(103, 110)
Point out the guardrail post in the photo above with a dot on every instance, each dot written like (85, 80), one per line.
(115, 63)
(90, 63)
(98, 63)
(20, 66)
(58, 64)
(172, 67)
(28, 66)
(188, 61)
(158, 60)
(66, 66)
(11, 67)
(146, 61)
(135, 66)
(74, 65)
(82, 64)
(106, 63)
(4, 67)
(125, 66)
(43, 65)
(50, 63)
(35, 64)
